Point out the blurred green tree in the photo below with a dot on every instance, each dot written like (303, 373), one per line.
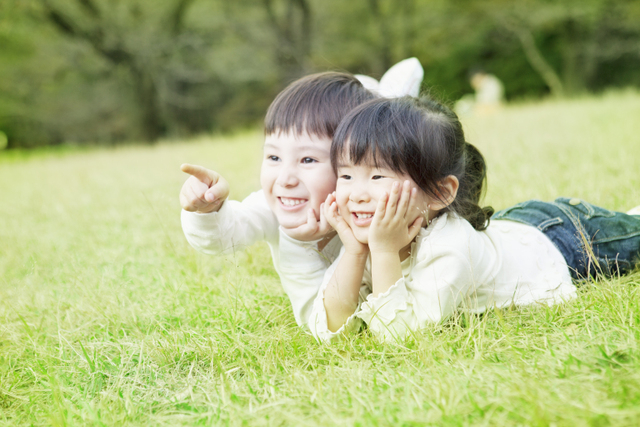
(141, 38)
(106, 70)
(582, 36)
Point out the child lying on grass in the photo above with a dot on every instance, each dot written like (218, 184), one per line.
(296, 177)
(418, 246)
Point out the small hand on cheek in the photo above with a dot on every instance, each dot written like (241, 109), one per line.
(351, 244)
(312, 229)
(394, 226)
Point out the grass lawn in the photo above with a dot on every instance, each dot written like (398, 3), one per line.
(108, 317)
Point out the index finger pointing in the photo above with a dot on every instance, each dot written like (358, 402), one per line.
(203, 174)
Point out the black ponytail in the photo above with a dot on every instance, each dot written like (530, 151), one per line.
(471, 190)
(472, 170)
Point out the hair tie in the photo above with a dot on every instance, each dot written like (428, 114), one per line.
(404, 78)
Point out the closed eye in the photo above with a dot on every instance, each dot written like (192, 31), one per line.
(377, 177)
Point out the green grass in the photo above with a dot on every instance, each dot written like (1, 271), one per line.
(108, 317)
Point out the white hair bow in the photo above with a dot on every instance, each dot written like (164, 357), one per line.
(402, 79)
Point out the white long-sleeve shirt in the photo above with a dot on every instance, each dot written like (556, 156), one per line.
(237, 225)
(454, 267)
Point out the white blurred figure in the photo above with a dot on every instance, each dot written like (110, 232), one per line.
(488, 98)
(489, 92)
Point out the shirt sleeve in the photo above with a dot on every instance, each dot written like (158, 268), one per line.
(318, 317)
(434, 288)
(235, 226)
(302, 268)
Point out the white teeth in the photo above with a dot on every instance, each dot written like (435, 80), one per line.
(363, 215)
(291, 202)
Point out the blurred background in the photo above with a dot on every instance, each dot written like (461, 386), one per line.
(108, 71)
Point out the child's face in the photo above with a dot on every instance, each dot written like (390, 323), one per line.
(296, 175)
(357, 193)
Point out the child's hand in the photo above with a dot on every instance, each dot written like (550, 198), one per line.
(349, 241)
(313, 229)
(392, 229)
(204, 191)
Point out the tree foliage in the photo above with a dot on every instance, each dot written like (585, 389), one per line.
(103, 71)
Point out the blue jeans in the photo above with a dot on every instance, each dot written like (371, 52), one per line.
(593, 240)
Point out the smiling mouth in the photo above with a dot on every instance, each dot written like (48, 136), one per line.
(362, 219)
(290, 203)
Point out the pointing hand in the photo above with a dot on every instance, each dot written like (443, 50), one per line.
(204, 191)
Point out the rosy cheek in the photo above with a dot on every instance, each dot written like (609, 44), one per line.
(343, 209)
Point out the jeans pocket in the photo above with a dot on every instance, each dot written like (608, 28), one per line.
(550, 223)
(586, 209)
(502, 213)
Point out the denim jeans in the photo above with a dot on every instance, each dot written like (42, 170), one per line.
(593, 240)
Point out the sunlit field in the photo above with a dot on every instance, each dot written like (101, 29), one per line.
(108, 316)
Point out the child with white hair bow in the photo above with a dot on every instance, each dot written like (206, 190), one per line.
(296, 177)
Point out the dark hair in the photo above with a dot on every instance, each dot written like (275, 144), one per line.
(420, 138)
(315, 104)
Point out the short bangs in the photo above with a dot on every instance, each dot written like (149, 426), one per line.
(381, 133)
(315, 104)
